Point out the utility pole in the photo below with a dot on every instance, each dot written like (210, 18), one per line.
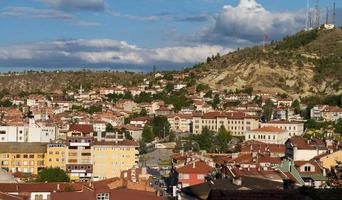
(307, 15)
(334, 13)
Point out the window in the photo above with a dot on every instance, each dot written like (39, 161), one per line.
(200, 177)
(184, 176)
(102, 196)
(307, 168)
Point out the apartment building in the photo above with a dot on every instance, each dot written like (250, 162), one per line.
(28, 133)
(293, 128)
(238, 123)
(26, 157)
(79, 142)
(55, 155)
(109, 159)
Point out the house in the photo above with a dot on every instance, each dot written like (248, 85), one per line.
(253, 146)
(332, 113)
(293, 128)
(316, 111)
(193, 173)
(134, 131)
(270, 134)
(299, 148)
(140, 121)
(284, 102)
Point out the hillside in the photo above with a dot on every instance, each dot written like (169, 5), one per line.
(305, 63)
(46, 82)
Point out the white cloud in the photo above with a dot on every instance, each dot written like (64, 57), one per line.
(103, 51)
(248, 21)
(28, 12)
(136, 17)
(91, 5)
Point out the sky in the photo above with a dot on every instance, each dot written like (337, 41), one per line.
(137, 34)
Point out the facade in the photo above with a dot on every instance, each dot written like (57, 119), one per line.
(271, 135)
(332, 113)
(192, 174)
(180, 123)
(293, 128)
(300, 149)
(329, 160)
(238, 123)
(110, 159)
(29, 133)
(79, 142)
(26, 157)
(55, 155)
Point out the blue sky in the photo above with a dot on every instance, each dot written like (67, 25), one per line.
(140, 33)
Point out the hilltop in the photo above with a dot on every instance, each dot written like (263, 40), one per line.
(47, 82)
(308, 62)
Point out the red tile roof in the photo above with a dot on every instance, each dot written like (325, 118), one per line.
(83, 128)
(198, 167)
(269, 129)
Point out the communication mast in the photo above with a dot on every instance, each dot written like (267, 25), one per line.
(327, 16)
(307, 25)
(334, 13)
(317, 15)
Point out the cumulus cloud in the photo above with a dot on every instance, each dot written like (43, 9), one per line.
(102, 51)
(246, 24)
(90, 5)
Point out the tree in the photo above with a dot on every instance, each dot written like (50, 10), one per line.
(160, 126)
(52, 175)
(205, 140)
(268, 109)
(109, 127)
(142, 147)
(216, 101)
(222, 139)
(172, 137)
(209, 94)
(296, 106)
(126, 133)
(338, 126)
(147, 134)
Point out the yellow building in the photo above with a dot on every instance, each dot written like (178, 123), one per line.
(23, 157)
(330, 160)
(55, 155)
(110, 158)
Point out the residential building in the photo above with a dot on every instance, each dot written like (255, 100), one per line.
(300, 149)
(55, 155)
(26, 157)
(193, 173)
(293, 128)
(110, 159)
(269, 134)
(329, 160)
(79, 142)
(332, 113)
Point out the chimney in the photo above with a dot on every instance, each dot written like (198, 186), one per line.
(237, 181)
(194, 165)
(143, 170)
(58, 187)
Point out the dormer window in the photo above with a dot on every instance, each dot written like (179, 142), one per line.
(102, 196)
(307, 168)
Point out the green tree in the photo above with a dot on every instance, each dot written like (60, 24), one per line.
(209, 94)
(142, 147)
(338, 126)
(52, 175)
(222, 139)
(160, 126)
(205, 140)
(268, 109)
(296, 106)
(172, 137)
(109, 127)
(147, 134)
(216, 101)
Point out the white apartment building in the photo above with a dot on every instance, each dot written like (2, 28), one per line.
(27, 133)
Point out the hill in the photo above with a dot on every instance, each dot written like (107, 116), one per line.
(47, 82)
(306, 63)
